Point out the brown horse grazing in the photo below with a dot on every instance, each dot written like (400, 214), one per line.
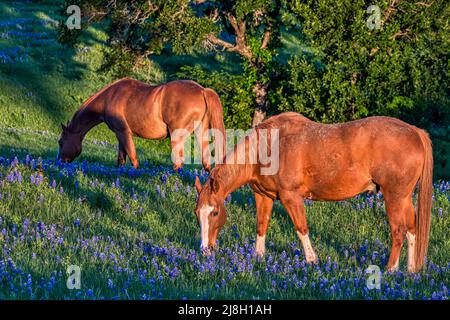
(130, 107)
(330, 163)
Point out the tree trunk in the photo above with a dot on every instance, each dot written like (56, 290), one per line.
(260, 90)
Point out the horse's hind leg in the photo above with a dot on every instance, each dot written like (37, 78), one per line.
(296, 210)
(177, 141)
(411, 236)
(201, 134)
(122, 155)
(263, 212)
(400, 213)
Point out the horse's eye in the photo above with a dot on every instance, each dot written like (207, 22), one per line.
(215, 213)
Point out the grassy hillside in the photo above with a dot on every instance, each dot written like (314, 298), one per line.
(133, 232)
(42, 83)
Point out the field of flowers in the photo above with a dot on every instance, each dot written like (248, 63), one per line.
(133, 233)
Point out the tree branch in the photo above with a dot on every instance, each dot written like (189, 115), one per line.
(403, 34)
(425, 4)
(266, 39)
(233, 23)
(95, 15)
(241, 45)
(226, 45)
(244, 51)
(390, 10)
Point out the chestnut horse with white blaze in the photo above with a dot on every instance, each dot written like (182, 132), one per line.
(130, 107)
(330, 163)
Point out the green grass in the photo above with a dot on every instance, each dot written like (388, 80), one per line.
(147, 221)
(145, 226)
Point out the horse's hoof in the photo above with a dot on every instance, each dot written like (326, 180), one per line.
(391, 270)
(207, 251)
(259, 256)
(312, 260)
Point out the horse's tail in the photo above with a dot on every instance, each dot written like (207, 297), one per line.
(424, 202)
(215, 114)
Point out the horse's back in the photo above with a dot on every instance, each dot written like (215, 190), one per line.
(151, 111)
(335, 161)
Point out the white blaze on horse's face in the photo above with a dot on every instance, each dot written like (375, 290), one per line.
(204, 225)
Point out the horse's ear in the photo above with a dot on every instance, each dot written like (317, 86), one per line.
(63, 127)
(215, 186)
(198, 185)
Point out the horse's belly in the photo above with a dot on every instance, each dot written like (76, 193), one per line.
(332, 195)
(149, 130)
(345, 188)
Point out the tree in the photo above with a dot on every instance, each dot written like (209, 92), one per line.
(141, 28)
(350, 69)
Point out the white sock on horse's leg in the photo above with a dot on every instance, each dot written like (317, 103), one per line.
(260, 245)
(310, 255)
(411, 251)
(395, 266)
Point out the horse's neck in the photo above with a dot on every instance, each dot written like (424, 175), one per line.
(233, 176)
(85, 119)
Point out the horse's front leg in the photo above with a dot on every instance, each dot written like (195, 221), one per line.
(126, 140)
(122, 155)
(293, 203)
(264, 207)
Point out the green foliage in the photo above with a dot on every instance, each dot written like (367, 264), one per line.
(144, 27)
(68, 36)
(353, 71)
(234, 91)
